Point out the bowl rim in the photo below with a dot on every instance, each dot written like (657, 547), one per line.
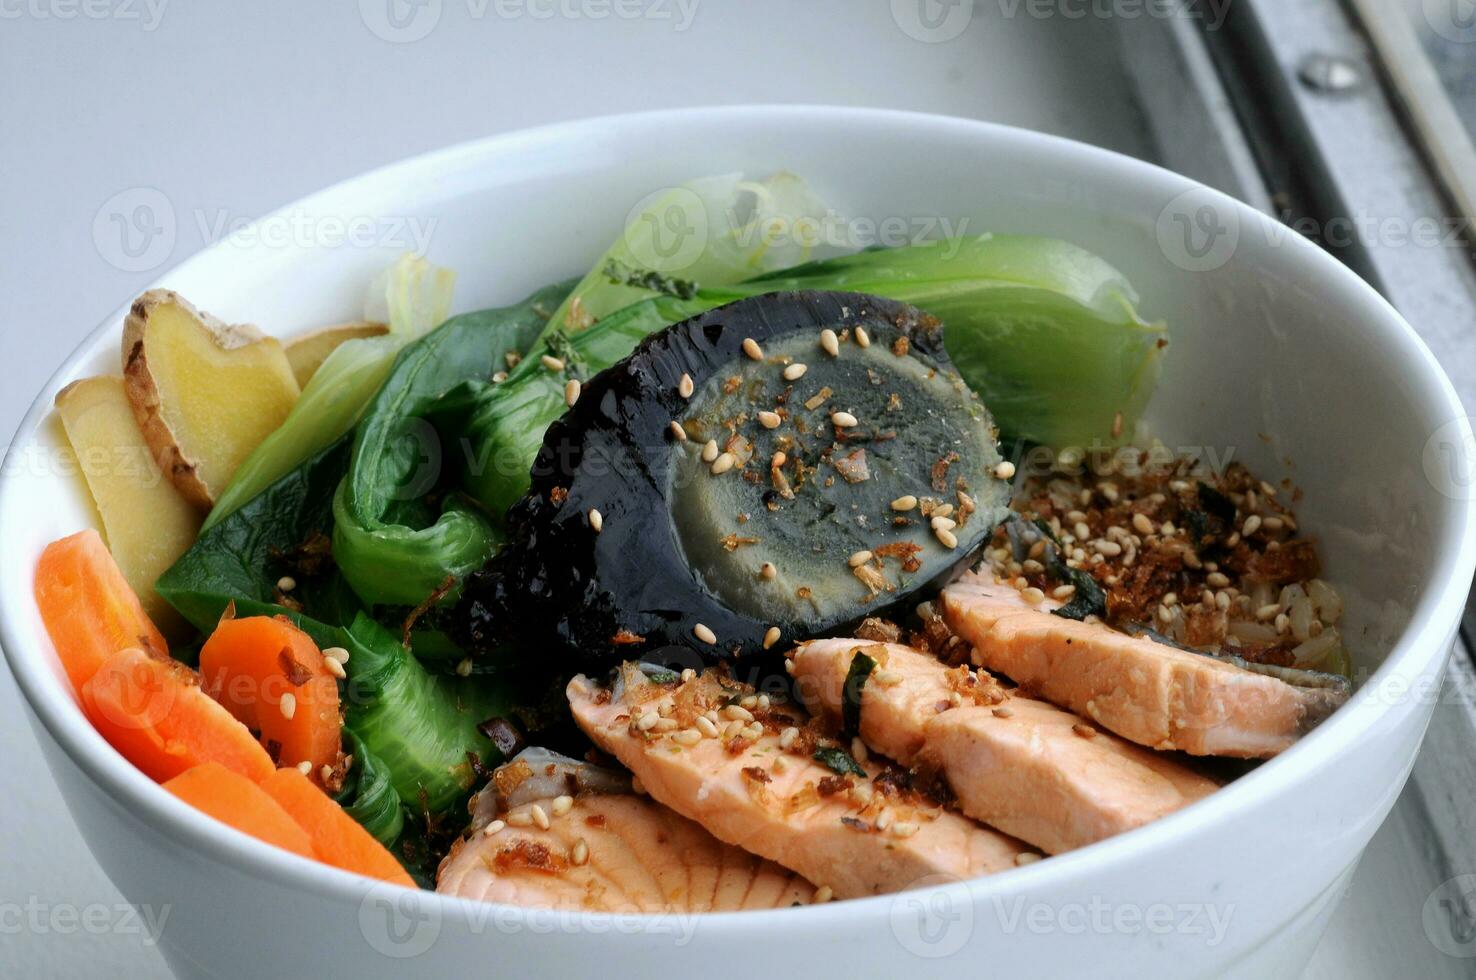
(1420, 651)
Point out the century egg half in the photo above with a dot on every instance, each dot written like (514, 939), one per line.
(793, 461)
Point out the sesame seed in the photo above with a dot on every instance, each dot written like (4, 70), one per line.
(1081, 531)
(562, 805)
(704, 634)
(1272, 523)
(689, 675)
(764, 702)
(1004, 471)
(710, 451)
(904, 503)
(685, 386)
(768, 571)
(337, 653)
(943, 510)
(723, 464)
(335, 668)
(943, 523)
(749, 701)
(647, 721)
(771, 636)
(843, 420)
(862, 793)
(795, 371)
(305, 767)
(325, 773)
(551, 362)
(884, 819)
(904, 828)
(733, 729)
(946, 537)
(1142, 524)
(539, 815)
(580, 854)
(499, 377)
(571, 391)
(779, 458)
(1063, 592)
(887, 678)
(464, 667)
(752, 730)
(521, 818)
(1003, 712)
(596, 520)
(789, 666)
(288, 705)
(858, 559)
(1109, 548)
(1170, 599)
(677, 432)
(1268, 611)
(1232, 540)
(830, 342)
(787, 737)
(706, 727)
(494, 827)
(781, 765)
(1023, 859)
(752, 349)
(286, 583)
(863, 339)
(769, 420)
(1032, 595)
(858, 750)
(1251, 526)
(823, 894)
(1283, 622)
(687, 736)
(736, 712)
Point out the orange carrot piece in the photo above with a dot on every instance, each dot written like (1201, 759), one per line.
(154, 713)
(88, 608)
(272, 677)
(338, 839)
(238, 802)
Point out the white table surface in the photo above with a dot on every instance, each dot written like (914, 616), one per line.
(226, 110)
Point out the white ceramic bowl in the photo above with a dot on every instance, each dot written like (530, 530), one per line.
(1279, 354)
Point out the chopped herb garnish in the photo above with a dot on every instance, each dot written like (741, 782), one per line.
(839, 761)
(861, 668)
(663, 677)
(623, 275)
(561, 347)
(1089, 598)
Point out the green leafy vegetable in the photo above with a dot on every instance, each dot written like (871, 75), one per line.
(420, 725)
(713, 230)
(369, 797)
(856, 678)
(397, 534)
(838, 761)
(417, 297)
(1044, 331)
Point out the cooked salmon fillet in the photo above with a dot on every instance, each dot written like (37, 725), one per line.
(757, 784)
(625, 854)
(1023, 766)
(1148, 692)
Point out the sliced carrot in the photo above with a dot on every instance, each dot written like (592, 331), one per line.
(154, 713)
(271, 676)
(89, 609)
(235, 800)
(338, 839)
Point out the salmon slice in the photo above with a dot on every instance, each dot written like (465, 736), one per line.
(750, 776)
(624, 854)
(1026, 767)
(1147, 692)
